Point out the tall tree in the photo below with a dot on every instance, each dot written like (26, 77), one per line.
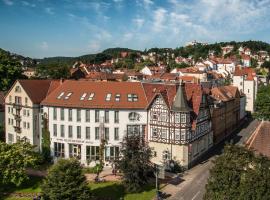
(10, 70)
(135, 163)
(262, 103)
(14, 158)
(66, 181)
(238, 175)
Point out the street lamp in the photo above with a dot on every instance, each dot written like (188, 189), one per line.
(157, 188)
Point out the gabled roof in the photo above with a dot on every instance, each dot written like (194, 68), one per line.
(225, 93)
(38, 89)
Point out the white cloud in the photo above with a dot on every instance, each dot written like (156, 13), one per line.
(26, 3)
(44, 46)
(49, 11)
(94, 46)
(159, 19)
(138, 22)
(8, 2)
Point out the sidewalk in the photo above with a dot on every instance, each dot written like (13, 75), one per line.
(106, 175)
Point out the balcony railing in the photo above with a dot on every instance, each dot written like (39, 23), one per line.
(17, 117)
(17, 129)
(17, 106)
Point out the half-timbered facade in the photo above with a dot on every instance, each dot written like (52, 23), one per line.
(179, 127)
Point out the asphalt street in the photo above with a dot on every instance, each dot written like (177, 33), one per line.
(194, 180)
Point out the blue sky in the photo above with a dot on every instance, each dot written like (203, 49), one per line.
(42, 28)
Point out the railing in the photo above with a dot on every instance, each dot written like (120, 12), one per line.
(17, 129)
(17, 117)
(17, 106)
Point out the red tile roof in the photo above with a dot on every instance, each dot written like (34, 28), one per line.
(245, 71)
(38, 89)
(225, 93)
(100, 90)
(259, 141)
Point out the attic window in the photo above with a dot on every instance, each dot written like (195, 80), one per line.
(17, 89)
(91, 96)
(68, 95)
(117, 97)
(60, 96)
(83, 96)
(108, 97)
(132, 97)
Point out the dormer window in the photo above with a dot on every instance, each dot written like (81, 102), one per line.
(91, 96)
(117, 97)
(68, 95)
(132, 97)
(60, 96)
(108, 97)
(83, 96)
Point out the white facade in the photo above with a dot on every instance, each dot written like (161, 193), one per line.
(22, 117)
(242, 107)
(91, 129)
(249, 88)
(146, 71)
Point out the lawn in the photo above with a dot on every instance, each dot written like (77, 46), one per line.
(112, 190)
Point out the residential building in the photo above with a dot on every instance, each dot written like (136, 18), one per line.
(225, 111)
(82, 112)
(22, 105)
(179, 125)
(247, 82)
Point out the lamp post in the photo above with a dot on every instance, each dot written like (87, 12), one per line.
(157, 189)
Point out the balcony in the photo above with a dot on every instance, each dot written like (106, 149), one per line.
(17, 106)
(17, 129)
(17, 117)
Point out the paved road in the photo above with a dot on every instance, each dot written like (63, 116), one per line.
(194, 181)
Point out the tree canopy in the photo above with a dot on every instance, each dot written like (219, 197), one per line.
(10, 70)
(14, 158)
(66, 181)
(238, 175)
(135, 163)
(262, 103)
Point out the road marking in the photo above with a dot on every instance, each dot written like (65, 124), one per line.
(194, 197)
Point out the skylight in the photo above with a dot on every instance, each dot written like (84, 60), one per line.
(117, 97)
(60, 96)
(132, 97)
(83, 96)
(108, 97)
(68, 95)
(91, 96)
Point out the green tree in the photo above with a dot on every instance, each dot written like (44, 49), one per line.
(10, 70)
(262, 103)
(14, 158)
(238, 175)
(65, 181)
(2, 133)
(55, 70)
(135, 163)
(253, 63)
(46, 142)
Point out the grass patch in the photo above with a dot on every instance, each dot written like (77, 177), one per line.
(115, 190)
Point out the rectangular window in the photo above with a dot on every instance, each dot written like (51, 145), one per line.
(92, 153)
(62, 131)
(116, 133)
(177, 134)
(79, 132)
(132, 97)
(59, 149)
(177, 118)
(87, 115)
(164, 133)
(24, 112)
(54, 113)
(106, 116)
(10, 138)
(62, 114)
(24, 124)
(183, 134)
(55, 130)
(96, 115)
(28, 125)
(107, 136)
(96, 133)
(70, 131)
(28, 113)
(70, 115)
(83, 96)
(133, 129)
(60, 95)
(154, 132)
(183, 118)
(78, 115)
(91, 96)
(116, 116)
(87, 133)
